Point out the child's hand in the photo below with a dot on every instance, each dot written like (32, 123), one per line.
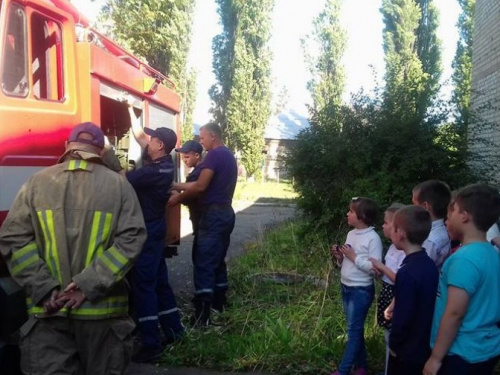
(348, 252)
(377, 264)
(335, 252)
(389, 310)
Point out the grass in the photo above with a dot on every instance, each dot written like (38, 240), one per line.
(275, 324)
(275, 192)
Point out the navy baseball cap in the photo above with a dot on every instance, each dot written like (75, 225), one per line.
(95, 136)
(166, 135)
(191, 145)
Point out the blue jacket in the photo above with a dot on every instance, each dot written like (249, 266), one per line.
(152, 184)
(415, 293)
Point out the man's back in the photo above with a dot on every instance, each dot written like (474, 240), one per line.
(75, 209)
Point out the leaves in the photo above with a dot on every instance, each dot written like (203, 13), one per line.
(160, 32)
(242, 95)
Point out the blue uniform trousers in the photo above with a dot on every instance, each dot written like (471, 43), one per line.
(154, 300)
(210, 272)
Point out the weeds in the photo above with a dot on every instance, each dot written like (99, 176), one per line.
(279, 325)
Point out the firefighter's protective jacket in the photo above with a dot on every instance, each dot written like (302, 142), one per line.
(75, 221)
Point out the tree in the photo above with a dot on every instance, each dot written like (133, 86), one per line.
(160, 32)
(462, 64)
(328, 82)
(242, 94)
(412, 56)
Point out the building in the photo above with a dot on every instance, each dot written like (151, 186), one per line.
(485, 98)
(280, 134)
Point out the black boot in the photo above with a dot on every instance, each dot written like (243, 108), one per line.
(201, 316)
(219, 301)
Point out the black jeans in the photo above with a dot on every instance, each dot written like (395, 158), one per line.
(456, 365)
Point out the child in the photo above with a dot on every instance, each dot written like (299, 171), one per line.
(414, 293)
(362, 243)
(434, 196)
(465, 337)
(191, 152)
(393, 259)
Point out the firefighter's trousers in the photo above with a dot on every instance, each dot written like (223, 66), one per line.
(153, 298)
(210, 272)
(64, 346)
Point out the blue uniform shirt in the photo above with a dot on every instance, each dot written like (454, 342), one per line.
(221, 189)
(475, 268)
(152, 184)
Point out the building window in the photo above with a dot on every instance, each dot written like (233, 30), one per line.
(15, 68)
(46, 64)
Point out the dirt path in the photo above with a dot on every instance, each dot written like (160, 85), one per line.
(251, 222)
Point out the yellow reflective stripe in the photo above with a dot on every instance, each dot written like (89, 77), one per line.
(28, 262)
(77, 164)
(101, 227)
(119, 256)
(93, 237)
(109, 263)
(106, 306)
(46, 237)
(24, 250)
(24, 257)
(34, 309)
(51, 254)
(105, 232)
(54, 252)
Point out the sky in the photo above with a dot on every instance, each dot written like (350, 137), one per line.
(292, 21)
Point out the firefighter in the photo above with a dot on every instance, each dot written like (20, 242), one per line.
(72, 234)
(215, 187)
(153, 299)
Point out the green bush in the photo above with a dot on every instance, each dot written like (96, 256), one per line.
(363, 150)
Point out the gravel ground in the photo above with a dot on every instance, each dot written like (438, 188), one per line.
(252, 219)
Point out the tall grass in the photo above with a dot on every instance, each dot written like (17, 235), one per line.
(285, 314)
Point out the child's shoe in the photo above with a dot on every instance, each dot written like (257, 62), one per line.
(361, 371)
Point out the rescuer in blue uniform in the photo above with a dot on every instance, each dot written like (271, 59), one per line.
(215, 187)
(154, 300)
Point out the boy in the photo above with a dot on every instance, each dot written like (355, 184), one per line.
(465, 337)
(414, 293)
(191, 152)
(434, 196)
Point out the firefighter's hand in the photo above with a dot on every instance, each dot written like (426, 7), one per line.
(72, 297)
(52, 305)
(174, 200)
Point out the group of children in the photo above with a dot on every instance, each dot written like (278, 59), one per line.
(440, 309)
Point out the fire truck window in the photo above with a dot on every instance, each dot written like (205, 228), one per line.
(14, 74)
(46, 64)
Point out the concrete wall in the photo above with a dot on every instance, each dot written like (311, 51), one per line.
(485, 100)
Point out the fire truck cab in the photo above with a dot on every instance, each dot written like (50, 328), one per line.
(56, 72)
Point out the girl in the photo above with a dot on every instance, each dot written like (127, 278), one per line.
(393, 259)
(362, 243)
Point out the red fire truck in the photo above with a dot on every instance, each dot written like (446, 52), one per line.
(55, 72)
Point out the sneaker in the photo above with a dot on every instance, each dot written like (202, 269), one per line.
(147, 355)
